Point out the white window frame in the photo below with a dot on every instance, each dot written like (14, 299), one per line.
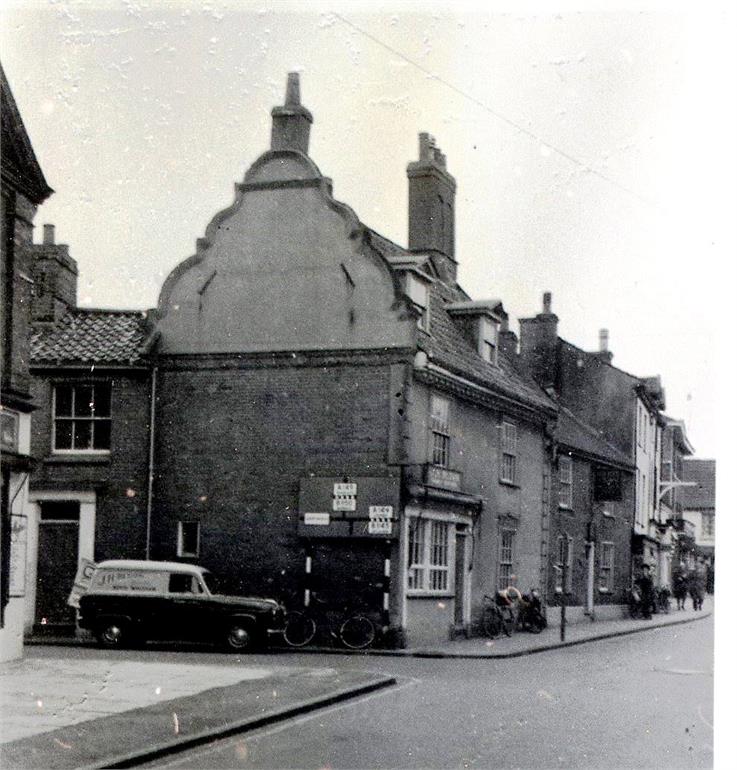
(419, 293)
(488, 336)
(430, 563)
(93, 418)
(506, 560)
(558, 566)
(606, 566)
(180, 540)
(440, 437)
(565, 482)
(509, 441)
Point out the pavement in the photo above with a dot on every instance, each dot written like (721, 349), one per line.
(71, 712)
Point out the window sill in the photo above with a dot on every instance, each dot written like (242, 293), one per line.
(430, 594)
(510, 484)
(603, 590)
(565, 508)
(77, 459)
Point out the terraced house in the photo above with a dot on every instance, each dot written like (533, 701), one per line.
(311, 411)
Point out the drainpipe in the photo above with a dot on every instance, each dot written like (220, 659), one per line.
(151, 436)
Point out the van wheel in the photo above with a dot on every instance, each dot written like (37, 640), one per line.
(238, 636)
(112, 634)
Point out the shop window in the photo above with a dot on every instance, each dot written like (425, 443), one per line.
(565, 482)
(430, 556)
(440, 431)
(506, 558)
(81, 418)
(707, 525)
(508, 472)
(188, 538)
(606, 567)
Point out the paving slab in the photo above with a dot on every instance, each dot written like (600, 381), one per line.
(143, 733)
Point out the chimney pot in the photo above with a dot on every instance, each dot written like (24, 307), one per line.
(603, 340)
(48, 235)
(292, 98)
(547, 302)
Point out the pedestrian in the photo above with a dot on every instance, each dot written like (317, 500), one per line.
(680, 586)
(647, 593)
(696, 589)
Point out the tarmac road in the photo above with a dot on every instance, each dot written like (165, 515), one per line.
(640, 701)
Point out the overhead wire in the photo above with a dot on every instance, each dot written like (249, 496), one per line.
(495, 113)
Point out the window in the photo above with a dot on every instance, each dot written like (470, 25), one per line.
(184, 584)
(82, 418)
(429, 557)
(9, 430)
(418, 293)
(506, 558)
(564, 560)
(509, 453)
(440, 430)
(565, 482)
(188, 538)
(488, 335)
(59, 510)
(707, 525)
(607, 484)
(606, 567)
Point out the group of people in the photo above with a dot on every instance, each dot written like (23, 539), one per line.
(685, 583)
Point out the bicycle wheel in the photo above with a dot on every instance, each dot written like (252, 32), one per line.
(492, 622)
(299, 629)
(357, 632)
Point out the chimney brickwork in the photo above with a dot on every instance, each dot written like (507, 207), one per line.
(539, 344)
(290, 128)
(432, 208)
(54, 277)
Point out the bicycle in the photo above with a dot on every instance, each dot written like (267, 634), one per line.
(354, 629)
(497, 618)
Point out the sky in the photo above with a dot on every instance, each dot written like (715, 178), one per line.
(593, 147)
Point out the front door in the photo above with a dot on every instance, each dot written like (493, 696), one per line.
(58, 554)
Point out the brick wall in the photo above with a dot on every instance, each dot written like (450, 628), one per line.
(232, 444)
(120, 479)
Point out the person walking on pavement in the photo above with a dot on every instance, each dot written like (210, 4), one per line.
(696, 589)
(647, 593)
(680, 586)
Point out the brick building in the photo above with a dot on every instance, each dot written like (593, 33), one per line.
(699, 510)
(24, 188)
(314, 377)
(312, 407)
(592, 511)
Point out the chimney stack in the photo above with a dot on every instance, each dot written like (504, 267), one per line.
(604, 353)
(290, 128)
(547, 302)
(54, 277)
(432, 208)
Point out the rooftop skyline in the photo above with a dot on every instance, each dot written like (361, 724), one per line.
(589, 150)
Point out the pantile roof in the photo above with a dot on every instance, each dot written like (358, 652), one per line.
(703, 472)
(91, 336)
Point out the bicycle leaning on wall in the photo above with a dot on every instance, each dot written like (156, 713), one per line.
(351, 627)
(498, 616)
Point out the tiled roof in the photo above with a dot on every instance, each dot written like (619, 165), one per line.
(574, 433)
(447, 347)
(703, 472)
(90, 336)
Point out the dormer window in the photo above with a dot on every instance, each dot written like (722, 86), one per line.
(488, 339)
(418, 292)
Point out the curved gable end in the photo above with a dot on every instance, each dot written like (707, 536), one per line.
(286, 267)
